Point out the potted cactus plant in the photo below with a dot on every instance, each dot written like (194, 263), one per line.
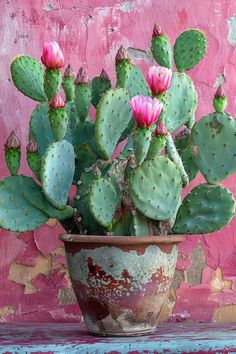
(125, 221)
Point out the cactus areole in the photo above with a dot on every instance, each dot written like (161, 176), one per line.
(130, 204)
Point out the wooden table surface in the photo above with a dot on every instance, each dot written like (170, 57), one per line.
(30, 338)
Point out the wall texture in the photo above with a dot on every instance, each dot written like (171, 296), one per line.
(33, 277)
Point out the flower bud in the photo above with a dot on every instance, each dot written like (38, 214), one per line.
(82, 77)
(104, 75)
(52, 56)
(69, 72)
(161, 129)
(157, 31)
(220, 100)
(123, 54)
(32, 146)
(12, 141)
(57, 102)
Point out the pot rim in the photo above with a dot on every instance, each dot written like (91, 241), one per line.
(121, 240)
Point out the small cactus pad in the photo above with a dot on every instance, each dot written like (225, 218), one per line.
(213, 139)
(69, 87)
(34, 162)
(131, 225)
(161, 50)
(27, 76)
(58, 164)
(81, 202)
(131, 79)
(141, 140)
(12, 158)
(83, 97)
(183, 145)
(100, 85)
(190, 47)
(155, 187)
(58, 119)
(112, 117)
(205, 209)
(103, 201)
(173, 155)
(52, 82)
(23, 206)
(181, 102)
(157, 145)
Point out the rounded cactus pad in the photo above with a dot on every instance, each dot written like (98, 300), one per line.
(112, 117)
(155, 188)
(213, 139)
(57, 170)
(103, 201)
(161, 50)
(181, 102)
(99, 86)
(205, 209)
(190, 47)
(27, 75)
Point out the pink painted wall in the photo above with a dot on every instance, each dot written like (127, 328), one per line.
(33, 277)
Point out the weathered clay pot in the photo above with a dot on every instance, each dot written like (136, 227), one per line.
(121, 282)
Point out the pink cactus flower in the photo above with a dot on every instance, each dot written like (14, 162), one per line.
(159, 79)
(57, 102)
(145, 110)
(52, 56)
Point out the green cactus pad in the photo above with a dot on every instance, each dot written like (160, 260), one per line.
(23, 206)
(130, 78)
(103, 201)
(183, 144)
(112, 117)
(155, 187)
(157, 145)
(81, 203)
(52, 82)
(190, 47)
(27, 76)
(173, 155)
(34, 162)
(57, 172)
(131, 225)
(181, 102)
(205, 209)
(141, 139)
(161, 50)
(12, 158)
(69, 87)
(58, 120)
(220, 103)
(99, 87)
(83, 97)
(213, 140)
(73, 119)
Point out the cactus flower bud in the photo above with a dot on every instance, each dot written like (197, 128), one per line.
(12, 141)
(57, 102)
(145, 110)
(82, 77)
(159, 79)
(69, 72)
(123, 54)
(32, 146)
(52, 56)
(220, 100)
(104, 75)
(157, 31)
(161, 129)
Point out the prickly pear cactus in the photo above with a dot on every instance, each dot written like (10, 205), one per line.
(129, 172)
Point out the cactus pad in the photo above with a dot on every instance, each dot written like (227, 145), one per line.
(161, 50)
(99, 87)
(112, 117)
(131, 225)
(12, 158)
(131, 79)
(205, 209)
(150, 186)
(141, 140)
(190, 47)
(103, 202)
(52, 82)
(27, 76)
(181, 102)
(213, 140)
(183, 144)
(57, 172)
(83, 97)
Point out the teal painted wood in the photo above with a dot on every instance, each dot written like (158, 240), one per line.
(72, 338)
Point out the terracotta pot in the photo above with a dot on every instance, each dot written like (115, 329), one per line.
(121, 281)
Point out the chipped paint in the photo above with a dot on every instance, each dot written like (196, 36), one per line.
(232, 30)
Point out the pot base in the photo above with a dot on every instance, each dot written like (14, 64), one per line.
(123, 334)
